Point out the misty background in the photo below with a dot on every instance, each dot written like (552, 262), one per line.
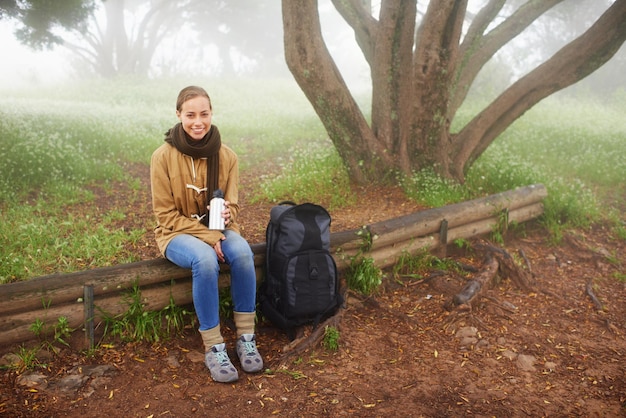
(245, 39)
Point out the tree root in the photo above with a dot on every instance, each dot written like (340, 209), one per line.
(599, 308)
(305, 341)
(496, 260)
(596, 302)
(508, 307)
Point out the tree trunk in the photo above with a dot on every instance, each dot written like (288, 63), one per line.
(314, 70)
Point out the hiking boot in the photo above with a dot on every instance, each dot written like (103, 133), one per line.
(222, 370)
(251, 360)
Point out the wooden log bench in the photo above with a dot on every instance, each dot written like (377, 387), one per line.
(49, 297)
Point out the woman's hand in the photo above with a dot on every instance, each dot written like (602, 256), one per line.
(218, 250)
(226, 213)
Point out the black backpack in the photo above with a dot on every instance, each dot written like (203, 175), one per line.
(301, 285)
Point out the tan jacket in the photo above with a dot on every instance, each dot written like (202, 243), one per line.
(174, 203)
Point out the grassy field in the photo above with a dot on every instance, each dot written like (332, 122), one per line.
(55, 141)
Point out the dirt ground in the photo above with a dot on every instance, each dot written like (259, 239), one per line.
(545, 352)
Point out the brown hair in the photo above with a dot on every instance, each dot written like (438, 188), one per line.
(190, 92)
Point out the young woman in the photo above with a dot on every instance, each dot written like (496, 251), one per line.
(184, 173)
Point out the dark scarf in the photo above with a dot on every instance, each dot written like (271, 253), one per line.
(208, 147)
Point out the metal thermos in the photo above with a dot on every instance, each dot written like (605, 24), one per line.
(216, 207)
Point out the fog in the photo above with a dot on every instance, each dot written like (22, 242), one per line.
(183, 52)
(23, 66)
(187, 52)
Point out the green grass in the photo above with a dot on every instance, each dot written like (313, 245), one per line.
(331, 338)
(315, 174)
(40, 238)
(27, 359)
(427, 187)
(576, 149)
(416, 266)
(58, 143)
(363, 275)
(139, 324)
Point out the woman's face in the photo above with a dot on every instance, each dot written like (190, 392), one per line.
(195, 116)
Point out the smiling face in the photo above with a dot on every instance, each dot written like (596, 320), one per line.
(195, 115)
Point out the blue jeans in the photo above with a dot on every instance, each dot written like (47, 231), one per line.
(192, 253)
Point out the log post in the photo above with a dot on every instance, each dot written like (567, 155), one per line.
(89, 308)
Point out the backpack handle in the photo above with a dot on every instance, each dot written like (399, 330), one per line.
(287, 202)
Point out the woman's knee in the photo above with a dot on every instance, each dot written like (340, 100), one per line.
(190, 252)
(206, 262)
(235, 247)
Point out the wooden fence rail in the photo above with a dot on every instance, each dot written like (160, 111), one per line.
(49, 297)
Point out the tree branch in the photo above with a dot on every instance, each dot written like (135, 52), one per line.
(479, 25)
(572, 63)
(478, 49)
(363, 23)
